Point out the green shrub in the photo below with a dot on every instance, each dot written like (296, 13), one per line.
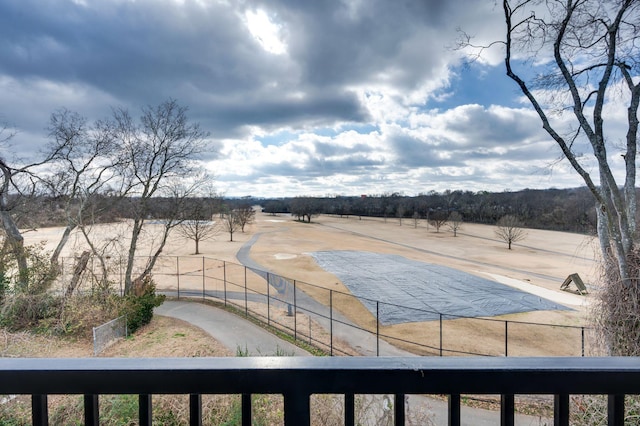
(138, 309)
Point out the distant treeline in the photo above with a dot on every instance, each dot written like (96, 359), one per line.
(571, 210)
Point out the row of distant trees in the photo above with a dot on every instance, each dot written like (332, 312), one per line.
(571, 210)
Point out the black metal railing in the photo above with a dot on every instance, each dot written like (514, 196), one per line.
(297, 378)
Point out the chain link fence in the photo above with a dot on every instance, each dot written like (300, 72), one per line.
(326, 318)
(106, 334)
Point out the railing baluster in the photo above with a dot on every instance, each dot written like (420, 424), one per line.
(399, 409)
(296, 409)
(507, 409)
(561, 410)
(39, 411)
(615, 410)
(195, 409)
(454, 410)
(349, 410)
(91, 411)
(144, 410)
(245, 403)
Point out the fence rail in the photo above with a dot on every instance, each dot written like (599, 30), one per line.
(297, 378)
(325, 318)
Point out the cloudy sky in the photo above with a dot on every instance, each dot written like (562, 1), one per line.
(308, 97)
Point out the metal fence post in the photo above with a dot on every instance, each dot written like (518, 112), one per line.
(224, 272)
(330, 322)
(582, 333)
(203, 284)
(377, 328)
(295, 313)
(268, 302)
(506, 338)
(440, 334)
(246, 303)
(178, 274)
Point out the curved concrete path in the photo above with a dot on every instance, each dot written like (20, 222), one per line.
(230, 330)
(235, 332)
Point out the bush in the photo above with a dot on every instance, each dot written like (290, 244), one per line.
(138, 308)
(25, 311)
(83, 312)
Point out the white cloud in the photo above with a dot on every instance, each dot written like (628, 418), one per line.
(299, 97)
(266, 32)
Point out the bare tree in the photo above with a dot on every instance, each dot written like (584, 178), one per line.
(245, 215)
(304, 207)
(438, 218)
(160, 149)
(400, 213)
(229, 222)
(416, 219)
(509, 229)
(83, 164)
(590, 51)
(12, 235)
(198, 225)
(455, 222)
(19, 181)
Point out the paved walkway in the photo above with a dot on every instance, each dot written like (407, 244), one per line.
(234, 332)
(230, 330)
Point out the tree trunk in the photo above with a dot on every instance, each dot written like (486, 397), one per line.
(135, 233)
(16, 241)
(80, 267)
(63, 241)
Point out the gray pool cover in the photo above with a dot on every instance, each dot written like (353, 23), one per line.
(410, 291)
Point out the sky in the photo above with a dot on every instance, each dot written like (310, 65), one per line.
(314, 97)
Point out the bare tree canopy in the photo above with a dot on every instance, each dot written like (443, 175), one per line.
(229, 222)
(197, 225)
(438, 218)
(157, 154)
(83, 165)
(304, 207)
(577, 62)
(455, 222)
(245, 215)
(509, 229)
(592, 54)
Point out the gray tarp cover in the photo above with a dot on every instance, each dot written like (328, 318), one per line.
(410, 291)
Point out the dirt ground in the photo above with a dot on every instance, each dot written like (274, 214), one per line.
(538, 264)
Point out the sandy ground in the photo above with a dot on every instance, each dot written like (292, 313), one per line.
(538, 264)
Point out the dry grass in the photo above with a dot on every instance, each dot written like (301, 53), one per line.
(543, 259)
(282, 247)
(163, 337)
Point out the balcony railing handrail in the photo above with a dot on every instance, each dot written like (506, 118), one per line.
(298, 377)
